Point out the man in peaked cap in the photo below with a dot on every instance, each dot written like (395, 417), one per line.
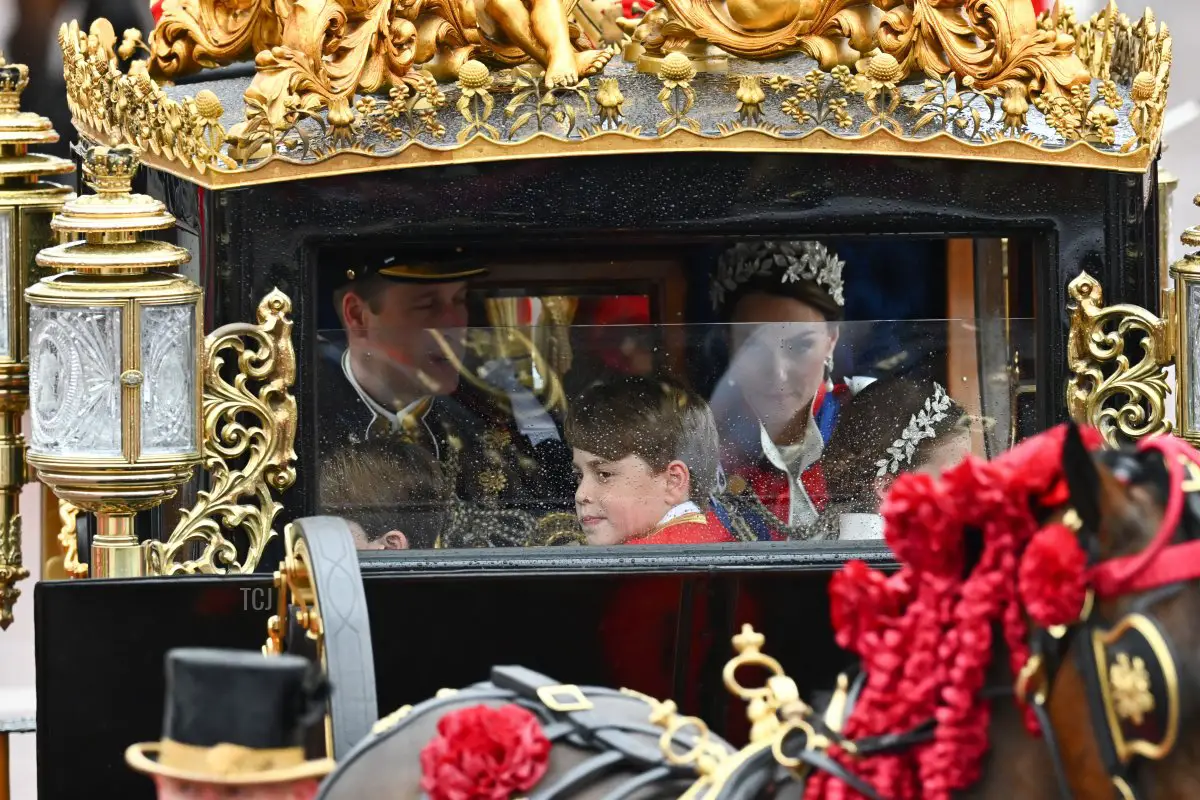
(234, 726)
(400, 375)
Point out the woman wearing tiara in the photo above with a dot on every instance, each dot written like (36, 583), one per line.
(777, 405)
(894, 425)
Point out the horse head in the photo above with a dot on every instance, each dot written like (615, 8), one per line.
(1056, 576)
(1122, 682)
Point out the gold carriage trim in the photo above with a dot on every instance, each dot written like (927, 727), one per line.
(868, 77)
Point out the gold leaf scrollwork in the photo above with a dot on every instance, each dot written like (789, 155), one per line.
(1129, 682)
(12, 569)
(265, 356)
(131, 108)
(832, 32)
(995, 42)
(312, 54)
(1102, 375)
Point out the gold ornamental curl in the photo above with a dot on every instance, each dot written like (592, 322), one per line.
(1096, 346)
(264, 355)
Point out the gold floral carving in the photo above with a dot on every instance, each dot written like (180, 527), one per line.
(11, 568)
(677, 95)
(313, 54)
(417, 121)
(831, 31)
(1119, 396)
(1129, 682)
(240, 497)
(194, 35)
(131, 109)
(996, 43)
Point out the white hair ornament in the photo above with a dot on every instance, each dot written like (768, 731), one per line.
(919, 428)
(799, 261)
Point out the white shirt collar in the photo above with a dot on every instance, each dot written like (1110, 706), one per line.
(678, 511)
(392, 418)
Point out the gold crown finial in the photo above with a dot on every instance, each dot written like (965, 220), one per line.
(110, 170)
(13, 80)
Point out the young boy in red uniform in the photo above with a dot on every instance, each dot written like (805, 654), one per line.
(645, 455)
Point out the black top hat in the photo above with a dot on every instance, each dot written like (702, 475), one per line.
(408, 265)
(236, 717)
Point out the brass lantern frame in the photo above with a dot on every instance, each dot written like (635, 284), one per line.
(27, 204)
(113, 269)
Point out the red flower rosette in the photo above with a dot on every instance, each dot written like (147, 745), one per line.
(860, 601)
(1052, 577)
(920, 525)
(484, 753)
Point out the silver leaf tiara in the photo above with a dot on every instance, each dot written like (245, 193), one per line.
(799, 261)
(919, 428)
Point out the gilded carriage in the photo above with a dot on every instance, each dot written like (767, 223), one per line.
(970, 163)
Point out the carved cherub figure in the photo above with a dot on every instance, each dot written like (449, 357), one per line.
(540, 29)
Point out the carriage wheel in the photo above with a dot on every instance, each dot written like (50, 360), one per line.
(321, 613)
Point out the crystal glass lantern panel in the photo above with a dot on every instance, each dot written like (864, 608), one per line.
(169, 387)
(74, 381)
(7, 255)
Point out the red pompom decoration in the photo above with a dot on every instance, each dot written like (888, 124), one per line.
(484, 753)
(1035, 466)
(1053, 577)
(920, 524)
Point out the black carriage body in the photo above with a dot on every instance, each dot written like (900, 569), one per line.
(442, 618)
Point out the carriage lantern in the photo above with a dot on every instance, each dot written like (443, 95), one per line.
(26, 206)
(1185, 317)
(114, 361)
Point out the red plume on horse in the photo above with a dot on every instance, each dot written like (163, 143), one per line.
(1041, 590)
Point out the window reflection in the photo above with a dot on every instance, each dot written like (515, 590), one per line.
(637, 459)
(458, 408)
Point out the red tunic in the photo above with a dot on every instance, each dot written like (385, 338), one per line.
(773, 486)
(641, 629)
(693, 528)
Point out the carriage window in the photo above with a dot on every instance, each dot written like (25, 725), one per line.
(467, 412)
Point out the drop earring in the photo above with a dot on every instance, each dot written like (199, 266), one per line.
(829, 367)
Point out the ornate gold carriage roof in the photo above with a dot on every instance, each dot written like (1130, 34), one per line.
(341, 87)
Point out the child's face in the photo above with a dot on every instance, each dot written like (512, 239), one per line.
(619, 499)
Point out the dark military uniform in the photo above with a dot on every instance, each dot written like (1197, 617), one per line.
(506, 482)
(471, 434)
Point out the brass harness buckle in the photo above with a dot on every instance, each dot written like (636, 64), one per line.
(564, 698)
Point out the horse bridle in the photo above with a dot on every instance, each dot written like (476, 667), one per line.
(1129, 669)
